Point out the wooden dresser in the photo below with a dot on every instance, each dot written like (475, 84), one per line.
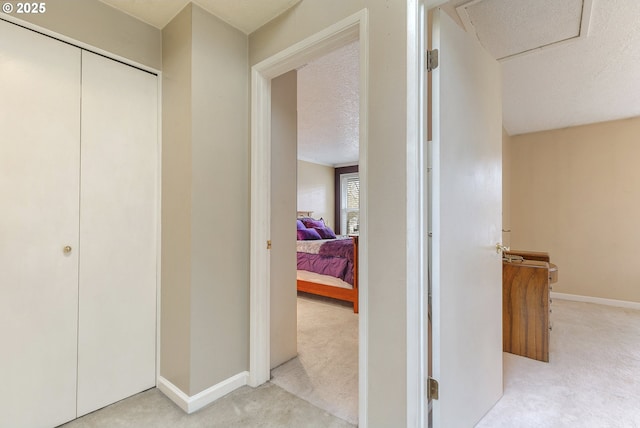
(526, 284)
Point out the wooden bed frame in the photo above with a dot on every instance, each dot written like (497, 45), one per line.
(345, 294)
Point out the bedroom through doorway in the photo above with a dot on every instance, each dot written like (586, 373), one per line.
(315, 155)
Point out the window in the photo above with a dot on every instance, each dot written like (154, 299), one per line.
(350, 204)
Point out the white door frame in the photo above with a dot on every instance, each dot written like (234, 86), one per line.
(417, 212)
(417, 247)
(349, 29)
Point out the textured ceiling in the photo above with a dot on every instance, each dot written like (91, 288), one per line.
(592, 79)
(328, 108)
(246, 15)
(510, 27)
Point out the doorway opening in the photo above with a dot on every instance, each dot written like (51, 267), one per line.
(348, 31)
(315, 114)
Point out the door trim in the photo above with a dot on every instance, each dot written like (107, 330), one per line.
(416, 222)
(354, 27)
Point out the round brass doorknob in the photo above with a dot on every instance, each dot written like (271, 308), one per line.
(67, 249)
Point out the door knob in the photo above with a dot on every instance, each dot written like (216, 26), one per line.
(67, 249)
(501, 248)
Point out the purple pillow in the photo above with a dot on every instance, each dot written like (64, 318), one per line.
(325, 232)
(300, 225)
(308, 235)
(310, 222)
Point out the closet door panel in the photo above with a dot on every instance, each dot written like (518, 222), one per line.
(39, 179)
(118, 222)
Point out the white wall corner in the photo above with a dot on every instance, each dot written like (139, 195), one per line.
(191, 404)
(596, 300)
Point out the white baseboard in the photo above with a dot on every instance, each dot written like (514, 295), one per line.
(597, 300)
(204, 398)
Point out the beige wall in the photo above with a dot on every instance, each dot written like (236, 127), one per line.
(284, 145)
(101, 26)
(220, 202)
(386, 171)
(316, 191)
(205, 223)
(175, 352)
(575, 193)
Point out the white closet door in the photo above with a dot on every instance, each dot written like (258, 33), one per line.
(39, 174)
(118, 220)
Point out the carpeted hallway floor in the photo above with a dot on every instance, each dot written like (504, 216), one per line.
(592, 381)
(325, 372)
(318, 389)
(267, 406)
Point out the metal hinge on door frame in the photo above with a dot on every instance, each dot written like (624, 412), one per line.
(432, 389)
(432, 60)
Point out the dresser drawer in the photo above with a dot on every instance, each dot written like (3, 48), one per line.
(525, 308)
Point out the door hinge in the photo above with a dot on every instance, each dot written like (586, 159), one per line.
(269, 244)
(432, 389)
(432, 60)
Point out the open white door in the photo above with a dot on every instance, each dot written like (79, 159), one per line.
(466, 225)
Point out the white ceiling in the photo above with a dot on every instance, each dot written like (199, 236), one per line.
(246, 15)
(591, 79)
(507, 28)
(568, 63)
(328, 108)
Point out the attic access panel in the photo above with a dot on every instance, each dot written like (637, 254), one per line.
(509, 28)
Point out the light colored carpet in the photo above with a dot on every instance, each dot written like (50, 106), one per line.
(592, 379)
(267, 406)
(325, 376)
(325, 373)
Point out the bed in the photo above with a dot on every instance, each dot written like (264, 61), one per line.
(327, 265)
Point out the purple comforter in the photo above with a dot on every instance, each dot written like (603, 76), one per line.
(338, 248)
(335, 258)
